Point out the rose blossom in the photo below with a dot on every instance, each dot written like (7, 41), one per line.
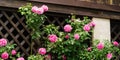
(115, 43)
(100, 46)
(92, 24)
(13, 52)
(5, 55)
(53, 38)
(67, 28)
(109, 55)
(89, 49)
(86, 28)
(37, 10)
(42, 51)
(20, 58)
(45, 7)
(3, 42)
(76, 36)
(67, 36)
(34, 9)
(40, 11)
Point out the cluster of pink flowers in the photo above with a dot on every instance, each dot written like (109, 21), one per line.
(53, 38)
(39, 10)
(5, 55)
(87, 26)
(100, 46)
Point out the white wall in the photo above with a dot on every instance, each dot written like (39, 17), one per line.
(102, 29)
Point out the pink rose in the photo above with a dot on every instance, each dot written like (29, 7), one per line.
(92, 24)
(40, 11)
(100, 46)
(67, 36)
(5, 55)
(89, 49)
(13, 52)
(76, 36)
(45, 7)
(67, 28)
(53, 38)
(109, 55)
(37, 10)
(3, 42)
(86, 28)
(115, 43)
(64, 57)
(20, 58)
(34, 9)
(42, 51)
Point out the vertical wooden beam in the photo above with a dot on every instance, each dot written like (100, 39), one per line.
(111, 2)
(102, 29)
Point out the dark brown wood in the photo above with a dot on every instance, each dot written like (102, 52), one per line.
(10, 28)
(84, 4)
(15, 39)
(67, 7)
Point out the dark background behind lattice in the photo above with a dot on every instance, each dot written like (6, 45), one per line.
(115, 30)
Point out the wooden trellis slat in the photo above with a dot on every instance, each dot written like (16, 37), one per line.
(13, 37)
(13, 27)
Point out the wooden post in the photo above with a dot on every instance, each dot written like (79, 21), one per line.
(102, 29)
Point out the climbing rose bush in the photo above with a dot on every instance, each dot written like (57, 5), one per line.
(72, 42)
(7, 50)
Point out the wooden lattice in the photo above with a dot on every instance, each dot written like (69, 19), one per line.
(13, 28)
(111, 2)
(115, 30)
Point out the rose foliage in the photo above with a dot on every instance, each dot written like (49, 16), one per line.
(69, 43)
